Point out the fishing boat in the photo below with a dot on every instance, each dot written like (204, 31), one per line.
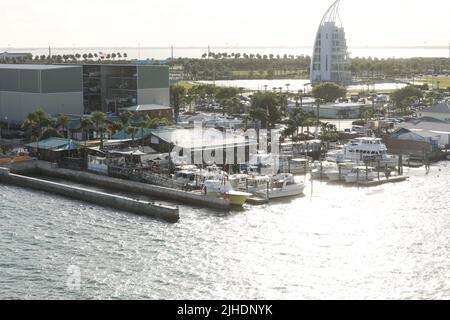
(223, 189)
(281, 186)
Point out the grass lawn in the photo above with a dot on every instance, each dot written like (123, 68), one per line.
(444, 82)
(187, 85)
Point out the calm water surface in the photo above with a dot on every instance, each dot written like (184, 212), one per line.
(390, 241)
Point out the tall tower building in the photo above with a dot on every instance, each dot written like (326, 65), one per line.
(330, 59)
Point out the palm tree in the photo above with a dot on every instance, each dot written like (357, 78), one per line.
(113, 127)
(40, 118)
(132, 131)
(62, 122)
(152, 123)
(296, 119)
(287, 87)
(85, 123)
(29, 124)
(125, 117)
(99, 118)
(308, 122)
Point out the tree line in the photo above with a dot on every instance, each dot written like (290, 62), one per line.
(40, 126)
(67, 58)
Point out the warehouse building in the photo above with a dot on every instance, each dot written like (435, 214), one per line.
(80, 89)
(26, 88)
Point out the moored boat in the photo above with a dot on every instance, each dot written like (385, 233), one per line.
(223, 189)
(281, 186)
(361, 173)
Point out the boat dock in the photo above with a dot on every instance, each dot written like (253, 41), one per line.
(179, 196)
(377, 182)
(150, 209)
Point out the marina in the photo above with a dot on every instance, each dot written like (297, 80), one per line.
(219, 167)
(322, 245)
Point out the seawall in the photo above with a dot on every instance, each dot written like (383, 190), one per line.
(159, 211)
(179, 196)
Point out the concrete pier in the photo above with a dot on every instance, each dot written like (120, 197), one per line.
(154, 210)
(48, 169)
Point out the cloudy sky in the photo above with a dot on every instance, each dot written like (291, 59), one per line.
(26, 23)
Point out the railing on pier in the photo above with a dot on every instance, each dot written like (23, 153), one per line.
(145, 176)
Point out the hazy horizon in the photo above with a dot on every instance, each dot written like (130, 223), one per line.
(234, 24)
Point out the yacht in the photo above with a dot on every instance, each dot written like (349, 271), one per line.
(281, 186)
(362, 150)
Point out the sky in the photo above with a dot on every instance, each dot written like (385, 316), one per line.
(152, 23)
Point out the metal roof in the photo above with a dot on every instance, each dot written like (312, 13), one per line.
(35, 66)
(124, 134)
(55, 144)
(205, 138)
(443, 107)
(425, 124)
(146, 107)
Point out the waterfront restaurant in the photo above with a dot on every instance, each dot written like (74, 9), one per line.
(54, 149)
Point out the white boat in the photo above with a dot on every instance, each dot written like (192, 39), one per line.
(186, 175)
(210, 173)
(238, 181)
(281, 186)
(341, 171)
(362, 174)
(319, 169)
(264, 162)
(363, 150)
(299, 166)
(223, 189)
(257, 183)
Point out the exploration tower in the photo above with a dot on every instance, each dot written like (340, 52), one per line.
(330, 59)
